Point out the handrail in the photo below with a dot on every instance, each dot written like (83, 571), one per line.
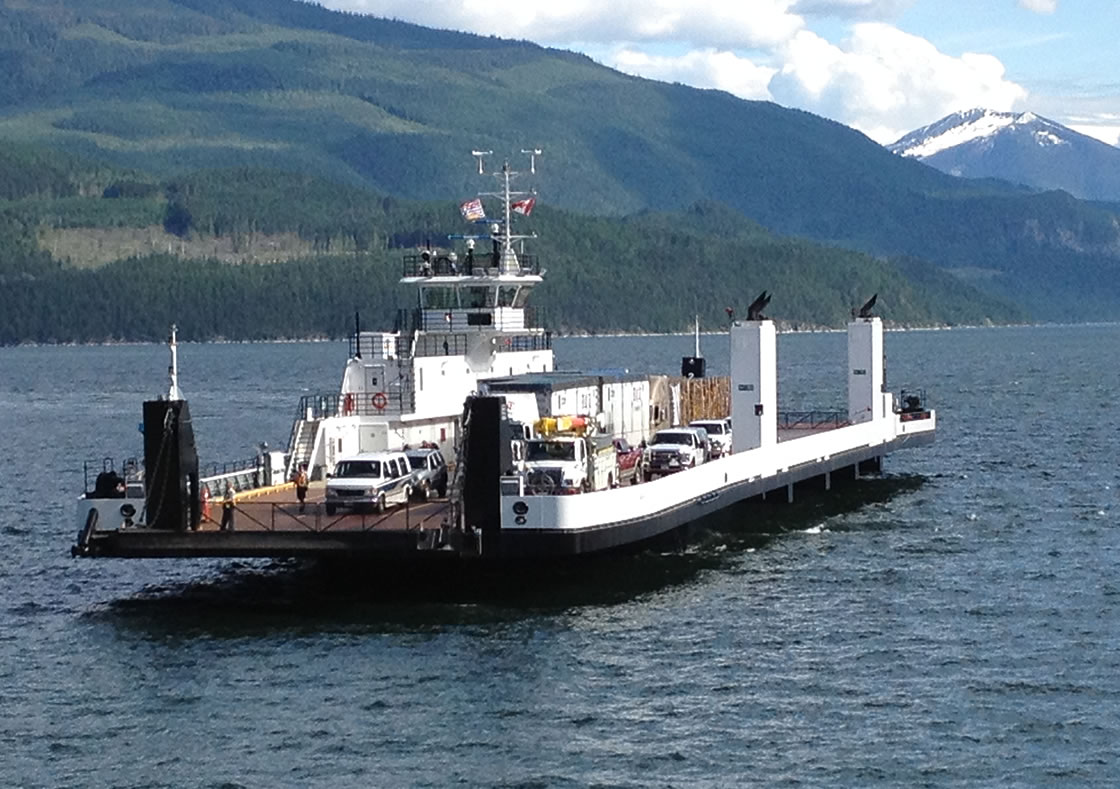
(483, 264)
(811, 420)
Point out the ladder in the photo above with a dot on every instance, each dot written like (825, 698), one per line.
(302, 444)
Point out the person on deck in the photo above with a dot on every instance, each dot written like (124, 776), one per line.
(227, 510)
(301, 486)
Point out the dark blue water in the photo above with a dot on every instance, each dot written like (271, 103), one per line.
(959, 629)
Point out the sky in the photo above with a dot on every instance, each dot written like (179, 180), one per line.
(884, 67)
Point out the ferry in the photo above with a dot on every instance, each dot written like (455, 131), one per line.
(544, 464)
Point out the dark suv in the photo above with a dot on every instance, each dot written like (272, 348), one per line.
(429, 473)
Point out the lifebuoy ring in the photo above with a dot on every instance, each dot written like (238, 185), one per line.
(348, 404)
(379, 401)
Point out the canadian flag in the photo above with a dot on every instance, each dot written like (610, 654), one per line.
(524, 207)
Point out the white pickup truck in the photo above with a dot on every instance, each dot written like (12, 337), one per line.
(674, 449)
(719, 435)
(555, 465)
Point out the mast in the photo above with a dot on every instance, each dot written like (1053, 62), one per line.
(174, 393)
(504, 235)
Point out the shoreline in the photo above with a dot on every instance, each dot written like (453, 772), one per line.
(556, 335)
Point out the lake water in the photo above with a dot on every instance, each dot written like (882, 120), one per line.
(960, 628)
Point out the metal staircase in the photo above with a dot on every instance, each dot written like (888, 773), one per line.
(302, 444)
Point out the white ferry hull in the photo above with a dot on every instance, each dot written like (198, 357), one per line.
(556, 526)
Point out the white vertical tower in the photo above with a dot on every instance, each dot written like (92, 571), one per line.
(174, 392)
(754, 385)
(866, 399)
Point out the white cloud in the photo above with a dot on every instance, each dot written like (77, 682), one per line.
(1039, 6)
(1108, 134)
(853, 9)
(704, 68)
(759, 23)
(886, 82)
(880, 80)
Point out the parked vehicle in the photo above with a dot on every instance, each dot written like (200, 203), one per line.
(629, 461)
(568, 458)
(719, 435)
(674, 449)
(429, 473)
(371, 480)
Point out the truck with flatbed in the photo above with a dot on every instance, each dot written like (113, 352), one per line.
(566, 456)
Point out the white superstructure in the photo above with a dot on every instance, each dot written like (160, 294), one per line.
(470, 323)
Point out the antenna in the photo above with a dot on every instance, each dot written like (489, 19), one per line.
(533, 154)
(501, 230)
(478, 155)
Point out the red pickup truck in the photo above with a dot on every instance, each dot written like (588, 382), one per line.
(629, 462)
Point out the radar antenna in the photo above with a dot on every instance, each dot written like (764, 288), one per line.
(533, 154)
(478, 155)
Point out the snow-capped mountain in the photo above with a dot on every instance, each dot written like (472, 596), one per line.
(1018, 147)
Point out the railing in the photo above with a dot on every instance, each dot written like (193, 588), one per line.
(256, 516)
(446, 345)
(456, 344)
(485, 264)
(237, 475)
(464, 319)
(912, 405)
(100, 477)
(373, 346)
(397, 400)
(811, 420)
(912, 401)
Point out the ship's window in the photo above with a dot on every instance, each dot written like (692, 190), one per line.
(507, 294)
(438, 298)
(521, 297)
(475, 298)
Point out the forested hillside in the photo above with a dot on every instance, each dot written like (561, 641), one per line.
(168, 89)
(648, 272)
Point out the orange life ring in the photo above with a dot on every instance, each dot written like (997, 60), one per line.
(348, 404)
(379, 401)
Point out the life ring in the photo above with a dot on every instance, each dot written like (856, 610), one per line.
(379, 401)
(348, 404)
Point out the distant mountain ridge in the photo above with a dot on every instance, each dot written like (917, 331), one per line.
(1022, 148)
(167, 87)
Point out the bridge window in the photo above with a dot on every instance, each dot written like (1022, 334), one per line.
(476, 298)
(507, 295)
(438, 298)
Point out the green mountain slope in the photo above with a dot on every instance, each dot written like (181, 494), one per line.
(332, 249)
(174, 86)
